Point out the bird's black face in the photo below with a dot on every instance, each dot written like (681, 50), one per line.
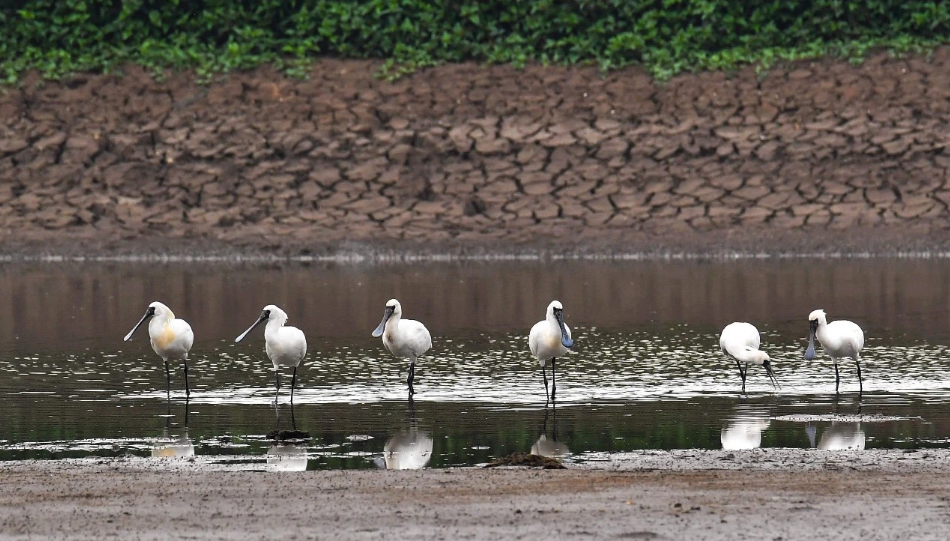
(265, 314)
(150, 312)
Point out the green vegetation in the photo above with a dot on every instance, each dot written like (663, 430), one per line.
(57, 37)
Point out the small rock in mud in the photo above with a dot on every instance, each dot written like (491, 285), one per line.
(529, 460)
(284, 435)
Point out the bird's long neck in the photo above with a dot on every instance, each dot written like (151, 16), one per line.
(273, 326)
(748, 355)
(161, 321)
(552, 321)
(822, 328)
(393, 322)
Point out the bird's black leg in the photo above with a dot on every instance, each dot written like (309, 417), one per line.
(553, 380)
(293, 382)
(277, 393)
(293, 420)
(412, 375)
(837, 379)
(741, 374)
(857, 362)
(547, 395)
(185, 367)
(168, 381)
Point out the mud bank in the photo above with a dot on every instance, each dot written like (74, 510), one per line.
(818, 156)
(787, 494)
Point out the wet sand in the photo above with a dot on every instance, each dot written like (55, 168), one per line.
(759, 494)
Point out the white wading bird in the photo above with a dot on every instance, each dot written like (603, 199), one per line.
(839, 339)
(404, 338)
(741, 342)
(550, 339)
(171, 338)
(285, 346)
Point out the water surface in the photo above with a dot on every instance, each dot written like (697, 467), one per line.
(646, 374)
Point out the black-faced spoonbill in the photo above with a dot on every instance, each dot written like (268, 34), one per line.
(404, 338)
(741, 342)
(550, 339)
(838, 338)
(285, 346)
(171, 338)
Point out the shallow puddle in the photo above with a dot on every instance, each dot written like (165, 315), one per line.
(646, 372)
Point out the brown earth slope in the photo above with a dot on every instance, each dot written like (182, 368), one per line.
(822, 155)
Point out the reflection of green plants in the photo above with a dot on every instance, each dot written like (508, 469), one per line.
(57, 37)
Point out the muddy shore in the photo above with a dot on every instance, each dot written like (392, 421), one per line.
(761, 494)
(820, 156)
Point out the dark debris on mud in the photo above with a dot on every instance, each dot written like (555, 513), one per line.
(528, 460)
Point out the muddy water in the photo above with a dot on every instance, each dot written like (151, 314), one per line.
(647, 372)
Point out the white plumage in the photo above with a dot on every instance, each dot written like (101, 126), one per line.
(404, 338)
(285, 346)
(548, 340)
(839, 339)
(740, 341)
(171, 338)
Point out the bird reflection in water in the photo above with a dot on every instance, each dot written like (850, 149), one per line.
(287, 457)
(744, 430)
(408, 449)
(284, 455)
(842, 437)
(549, 447)
(169, 446)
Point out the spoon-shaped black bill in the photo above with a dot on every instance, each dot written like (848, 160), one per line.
(810, 350)
(260, 320)
(565, 339)
(768, 370)
(382, 324)
(148, 313)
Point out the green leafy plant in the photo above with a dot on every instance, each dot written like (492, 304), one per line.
(57, 37)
